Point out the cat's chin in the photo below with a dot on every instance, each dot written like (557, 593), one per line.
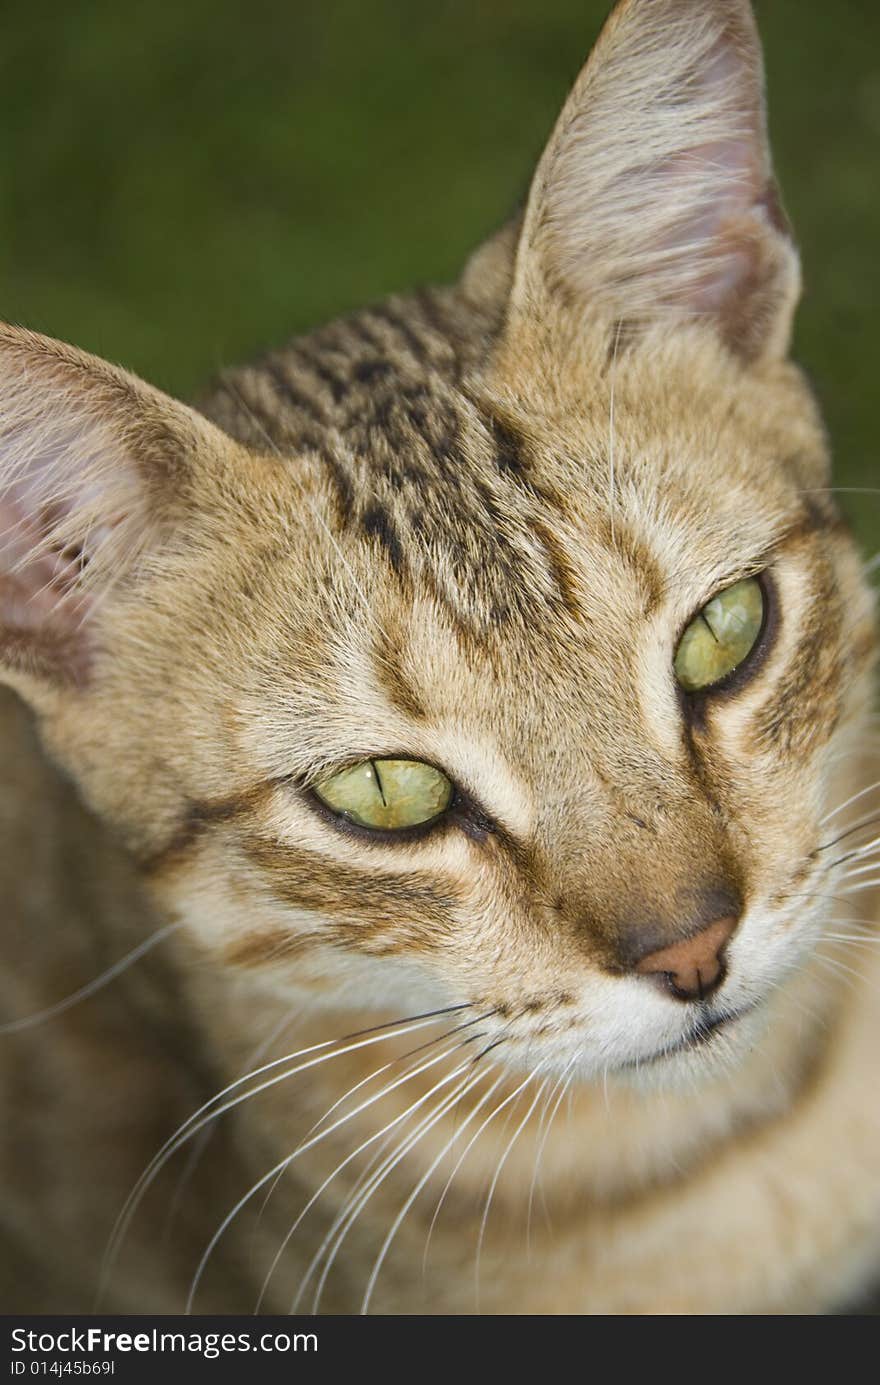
(713, 1051)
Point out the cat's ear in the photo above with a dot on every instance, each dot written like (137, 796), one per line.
(95, 469)
(655, 198)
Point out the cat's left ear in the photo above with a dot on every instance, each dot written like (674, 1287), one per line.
(96, 471)
(655, 198)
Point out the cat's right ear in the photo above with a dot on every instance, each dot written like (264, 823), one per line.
(96, 470)
(654, 200)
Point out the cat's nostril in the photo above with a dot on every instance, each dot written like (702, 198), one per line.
(694, 967)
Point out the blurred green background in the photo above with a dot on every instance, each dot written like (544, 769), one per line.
(183, 184)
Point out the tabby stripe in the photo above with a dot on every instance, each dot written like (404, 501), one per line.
(288, 391)
(387, 663)
(263, 946)
(436, 320)
(620, 539)
(342, 483)
(813, 520)
(397, 909)
(417, 348)
(361, 331)
(337, 385)
(561, 570)
(377, 523)
(806, 705)
(202, 815)
(509, 448)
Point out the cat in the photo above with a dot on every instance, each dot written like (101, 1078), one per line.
(436, 768)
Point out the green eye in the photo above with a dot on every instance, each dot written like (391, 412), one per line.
(387, 794)
(721, 636)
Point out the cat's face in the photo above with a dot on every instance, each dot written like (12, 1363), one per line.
(469, 531)
(597, 803)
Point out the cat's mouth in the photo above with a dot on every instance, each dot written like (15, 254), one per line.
(702, 1032)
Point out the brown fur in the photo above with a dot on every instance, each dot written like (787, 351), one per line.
(467, 527)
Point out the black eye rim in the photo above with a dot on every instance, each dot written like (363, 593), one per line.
(746, 669)
(462, 811)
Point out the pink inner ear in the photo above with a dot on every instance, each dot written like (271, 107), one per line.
(39, 575)
(720, 182)
(716, 238)
(44, 546)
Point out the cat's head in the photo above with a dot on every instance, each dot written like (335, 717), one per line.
(507, 655)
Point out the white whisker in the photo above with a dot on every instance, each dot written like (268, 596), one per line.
(426, 1176)
(461, 1158)
(325, 1051)
(83, 992)
(853, 798)
(858, 826)
(559, 1089)
(286, 1161)
(857, 862)
(349, 1214)
(203, 1138)
(378, 1072)
(371, 1139)
(494, 1184)
(860, 885)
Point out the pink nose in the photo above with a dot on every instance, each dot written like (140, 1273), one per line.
(694, 967)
